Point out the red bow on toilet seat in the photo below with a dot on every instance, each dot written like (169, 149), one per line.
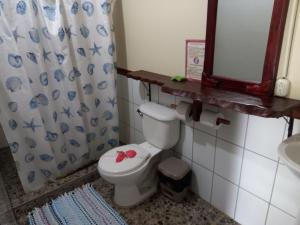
(125, 155)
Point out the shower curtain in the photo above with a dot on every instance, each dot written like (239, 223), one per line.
(57, 85)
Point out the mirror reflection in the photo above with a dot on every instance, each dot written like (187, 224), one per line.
(242, 33)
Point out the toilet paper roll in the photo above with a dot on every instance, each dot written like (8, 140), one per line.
(210, 118)
(183, 110)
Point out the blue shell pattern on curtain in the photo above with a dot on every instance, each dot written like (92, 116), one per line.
(57, 82)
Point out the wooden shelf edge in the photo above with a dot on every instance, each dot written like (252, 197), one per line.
(273, 107)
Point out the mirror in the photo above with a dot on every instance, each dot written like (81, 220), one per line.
(242, 33)
(243, 44)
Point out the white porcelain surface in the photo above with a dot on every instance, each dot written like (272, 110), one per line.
(204, 148)
(290, 154)
(185, 144)
(128, 186)
(235, 132)
(250, 209)
(158, 112)
(162, 134)
(258, 174)
(228, 161)
(224, 195)
(202, 182)
(278, 217)
(108, 165)
(264, 136)
(137, 119)
(286, 193)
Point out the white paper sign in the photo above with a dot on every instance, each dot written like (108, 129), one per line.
(195, 53)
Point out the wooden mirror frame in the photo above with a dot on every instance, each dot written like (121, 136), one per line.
(273, 52)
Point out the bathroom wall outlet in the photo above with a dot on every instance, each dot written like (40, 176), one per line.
(282, 87)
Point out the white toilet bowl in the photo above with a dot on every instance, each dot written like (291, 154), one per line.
(135, 178)
(133, 181)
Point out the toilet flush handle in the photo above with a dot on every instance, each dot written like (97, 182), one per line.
(139, 112)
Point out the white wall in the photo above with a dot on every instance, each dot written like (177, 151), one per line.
(235, 169)
(151, 35)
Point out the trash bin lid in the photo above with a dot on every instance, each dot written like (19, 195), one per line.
(174, 168)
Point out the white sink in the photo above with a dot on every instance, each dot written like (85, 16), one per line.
(289, 152)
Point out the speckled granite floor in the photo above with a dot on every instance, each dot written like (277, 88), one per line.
(158, 210)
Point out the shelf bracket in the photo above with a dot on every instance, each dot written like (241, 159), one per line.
(291, 126)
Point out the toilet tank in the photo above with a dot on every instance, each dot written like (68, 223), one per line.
(160, 125)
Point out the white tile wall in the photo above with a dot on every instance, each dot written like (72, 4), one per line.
(228, 161)
(154, 93)
(124, 86)
(258, 174)
(250, 209)
(204, 148)
(235, 169)
(278, 217)
(126, 113)
(286, 192)
(264, 135)
(202, 182)
(138, 91)
(235, 132)
(224, 195)
(185, 144)
(166, 99)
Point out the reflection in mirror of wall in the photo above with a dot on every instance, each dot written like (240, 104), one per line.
(242, 33)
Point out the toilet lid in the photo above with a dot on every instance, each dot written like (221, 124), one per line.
(108, 163)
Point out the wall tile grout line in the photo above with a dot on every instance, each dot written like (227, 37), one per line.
(229, 142)
(274, 180)
(243, 157)
(273, 187)
(214, 166)
(208, 175)
(282, 210)
(204, 167)
(197, 129)
(265, 157)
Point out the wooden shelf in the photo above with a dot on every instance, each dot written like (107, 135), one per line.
(243, 103)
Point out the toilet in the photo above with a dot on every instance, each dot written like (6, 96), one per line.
(132, 169)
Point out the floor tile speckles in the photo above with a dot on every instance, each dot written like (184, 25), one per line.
(158, 210)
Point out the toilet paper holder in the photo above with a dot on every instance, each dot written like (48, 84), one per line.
(196, 111)
(223, 121)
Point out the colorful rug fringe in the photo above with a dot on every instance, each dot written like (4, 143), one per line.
(83, 206)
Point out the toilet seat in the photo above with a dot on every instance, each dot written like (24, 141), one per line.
(108, 164)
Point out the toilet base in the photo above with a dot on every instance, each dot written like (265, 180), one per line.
(131, 195)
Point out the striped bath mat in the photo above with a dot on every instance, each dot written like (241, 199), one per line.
(83, 206)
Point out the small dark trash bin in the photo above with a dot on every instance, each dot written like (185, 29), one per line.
(175, 178)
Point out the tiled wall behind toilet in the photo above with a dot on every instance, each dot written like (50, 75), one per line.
(236, 168)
